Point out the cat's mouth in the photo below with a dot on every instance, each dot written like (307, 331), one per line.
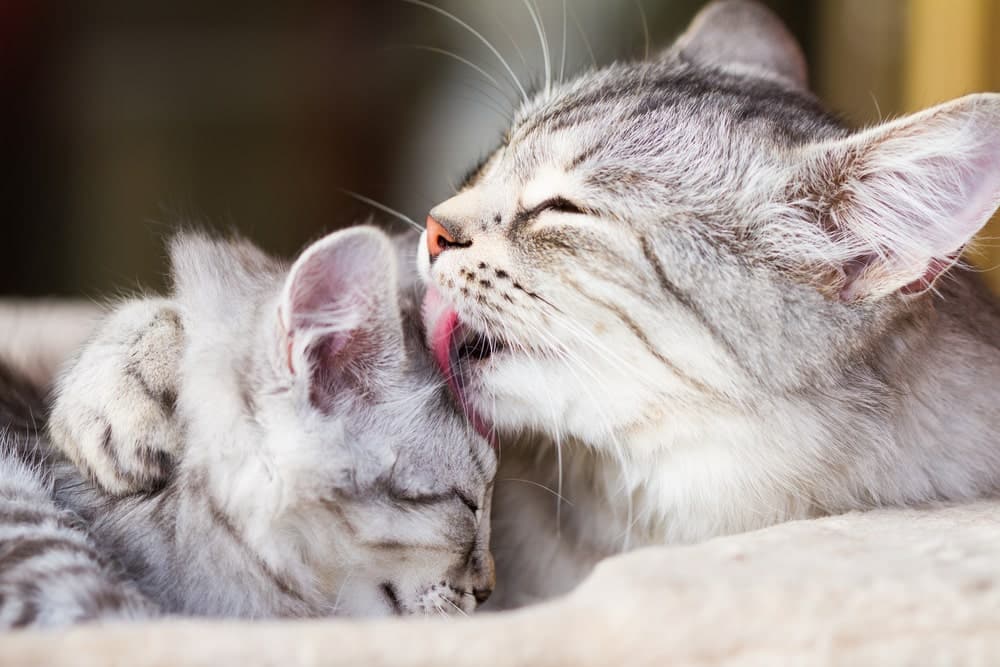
(467, 345)
(456, 346)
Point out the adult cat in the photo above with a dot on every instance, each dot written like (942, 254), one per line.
(298, 453)
(694, 303)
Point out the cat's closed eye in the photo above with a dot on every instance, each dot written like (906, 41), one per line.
(558, 204)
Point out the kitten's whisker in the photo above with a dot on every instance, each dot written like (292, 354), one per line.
(645, 27)
(494, 105)
(568, 357)
(340, 591)
(510, 36)
(562, 59)
(583, 36)
(488, 107)
(457, 608)
(608, 354)
(383, 208)
(475, 33)
(539, 28)
(440, 610)
(540, 486)
(465, 61)
(878, 109)
(558, 442)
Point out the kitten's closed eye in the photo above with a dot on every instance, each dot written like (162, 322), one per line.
(558, 204)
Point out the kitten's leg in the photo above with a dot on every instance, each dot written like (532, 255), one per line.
(51, 573)
(114, 408)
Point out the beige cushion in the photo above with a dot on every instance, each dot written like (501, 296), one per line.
(890, 587)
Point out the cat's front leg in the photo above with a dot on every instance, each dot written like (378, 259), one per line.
(113, 414)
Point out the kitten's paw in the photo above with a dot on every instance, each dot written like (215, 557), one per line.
(114, 409)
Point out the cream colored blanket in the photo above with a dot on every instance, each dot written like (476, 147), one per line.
(891, 587)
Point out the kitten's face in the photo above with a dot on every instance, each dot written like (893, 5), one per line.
(679, 235)
(387, 491)
(352, 470)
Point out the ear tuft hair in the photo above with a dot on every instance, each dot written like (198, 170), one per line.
(901, 201)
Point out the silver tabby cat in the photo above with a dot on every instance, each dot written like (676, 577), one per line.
(297, 450)
(694, 303)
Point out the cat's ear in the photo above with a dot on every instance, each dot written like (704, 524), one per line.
(901, 201)
(339, 315)
(746, 34)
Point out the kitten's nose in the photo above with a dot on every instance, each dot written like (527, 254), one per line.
(438, 238)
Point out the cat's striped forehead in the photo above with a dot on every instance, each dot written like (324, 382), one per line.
(646, 112)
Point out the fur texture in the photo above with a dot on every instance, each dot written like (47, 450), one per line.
(694, 303)
(51, 571)
(274, 442)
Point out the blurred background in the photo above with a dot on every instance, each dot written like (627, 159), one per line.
(121, 119)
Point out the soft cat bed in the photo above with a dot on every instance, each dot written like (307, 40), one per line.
(898, 586)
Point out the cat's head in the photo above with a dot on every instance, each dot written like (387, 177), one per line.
(693, 231)
(356, 476)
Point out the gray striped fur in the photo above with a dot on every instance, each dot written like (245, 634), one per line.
(266, 441)
(52, 573)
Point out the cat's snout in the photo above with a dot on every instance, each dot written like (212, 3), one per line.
(440, 239)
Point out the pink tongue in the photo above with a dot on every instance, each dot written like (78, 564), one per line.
(444, 321)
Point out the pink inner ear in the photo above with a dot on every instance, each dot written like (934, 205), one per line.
(936, 268)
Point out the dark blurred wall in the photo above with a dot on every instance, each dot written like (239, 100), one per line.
(122, 120)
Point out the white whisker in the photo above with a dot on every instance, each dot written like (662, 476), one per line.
(562, 59)
(540, 486)
(540, 29)
(583, 36)
(457, 608)
(475, 33)
(465, 61)
(383, 208)
(645, 27)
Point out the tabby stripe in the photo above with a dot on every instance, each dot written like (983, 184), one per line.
(480, 468)
(684, 299)
(584, 156)
(396, 545)
(227, 525)
(21, 516)
(644, 339)
(29, 612)
(106, 599)
(338, 512)
(166, 399)
(27, 549)
(111, 454)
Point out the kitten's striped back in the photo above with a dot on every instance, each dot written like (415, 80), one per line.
(51, 573)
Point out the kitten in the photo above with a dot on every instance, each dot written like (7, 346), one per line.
(694, 303)
(297, 451)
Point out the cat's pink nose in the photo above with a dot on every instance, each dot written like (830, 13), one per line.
(438, 238)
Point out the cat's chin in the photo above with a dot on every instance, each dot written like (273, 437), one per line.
(458, 349)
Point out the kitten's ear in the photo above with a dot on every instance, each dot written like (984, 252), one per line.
(745, 33)
(339, 314)
(901, 201)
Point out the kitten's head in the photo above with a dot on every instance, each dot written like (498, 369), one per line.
(692, 231)
(351, 471)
